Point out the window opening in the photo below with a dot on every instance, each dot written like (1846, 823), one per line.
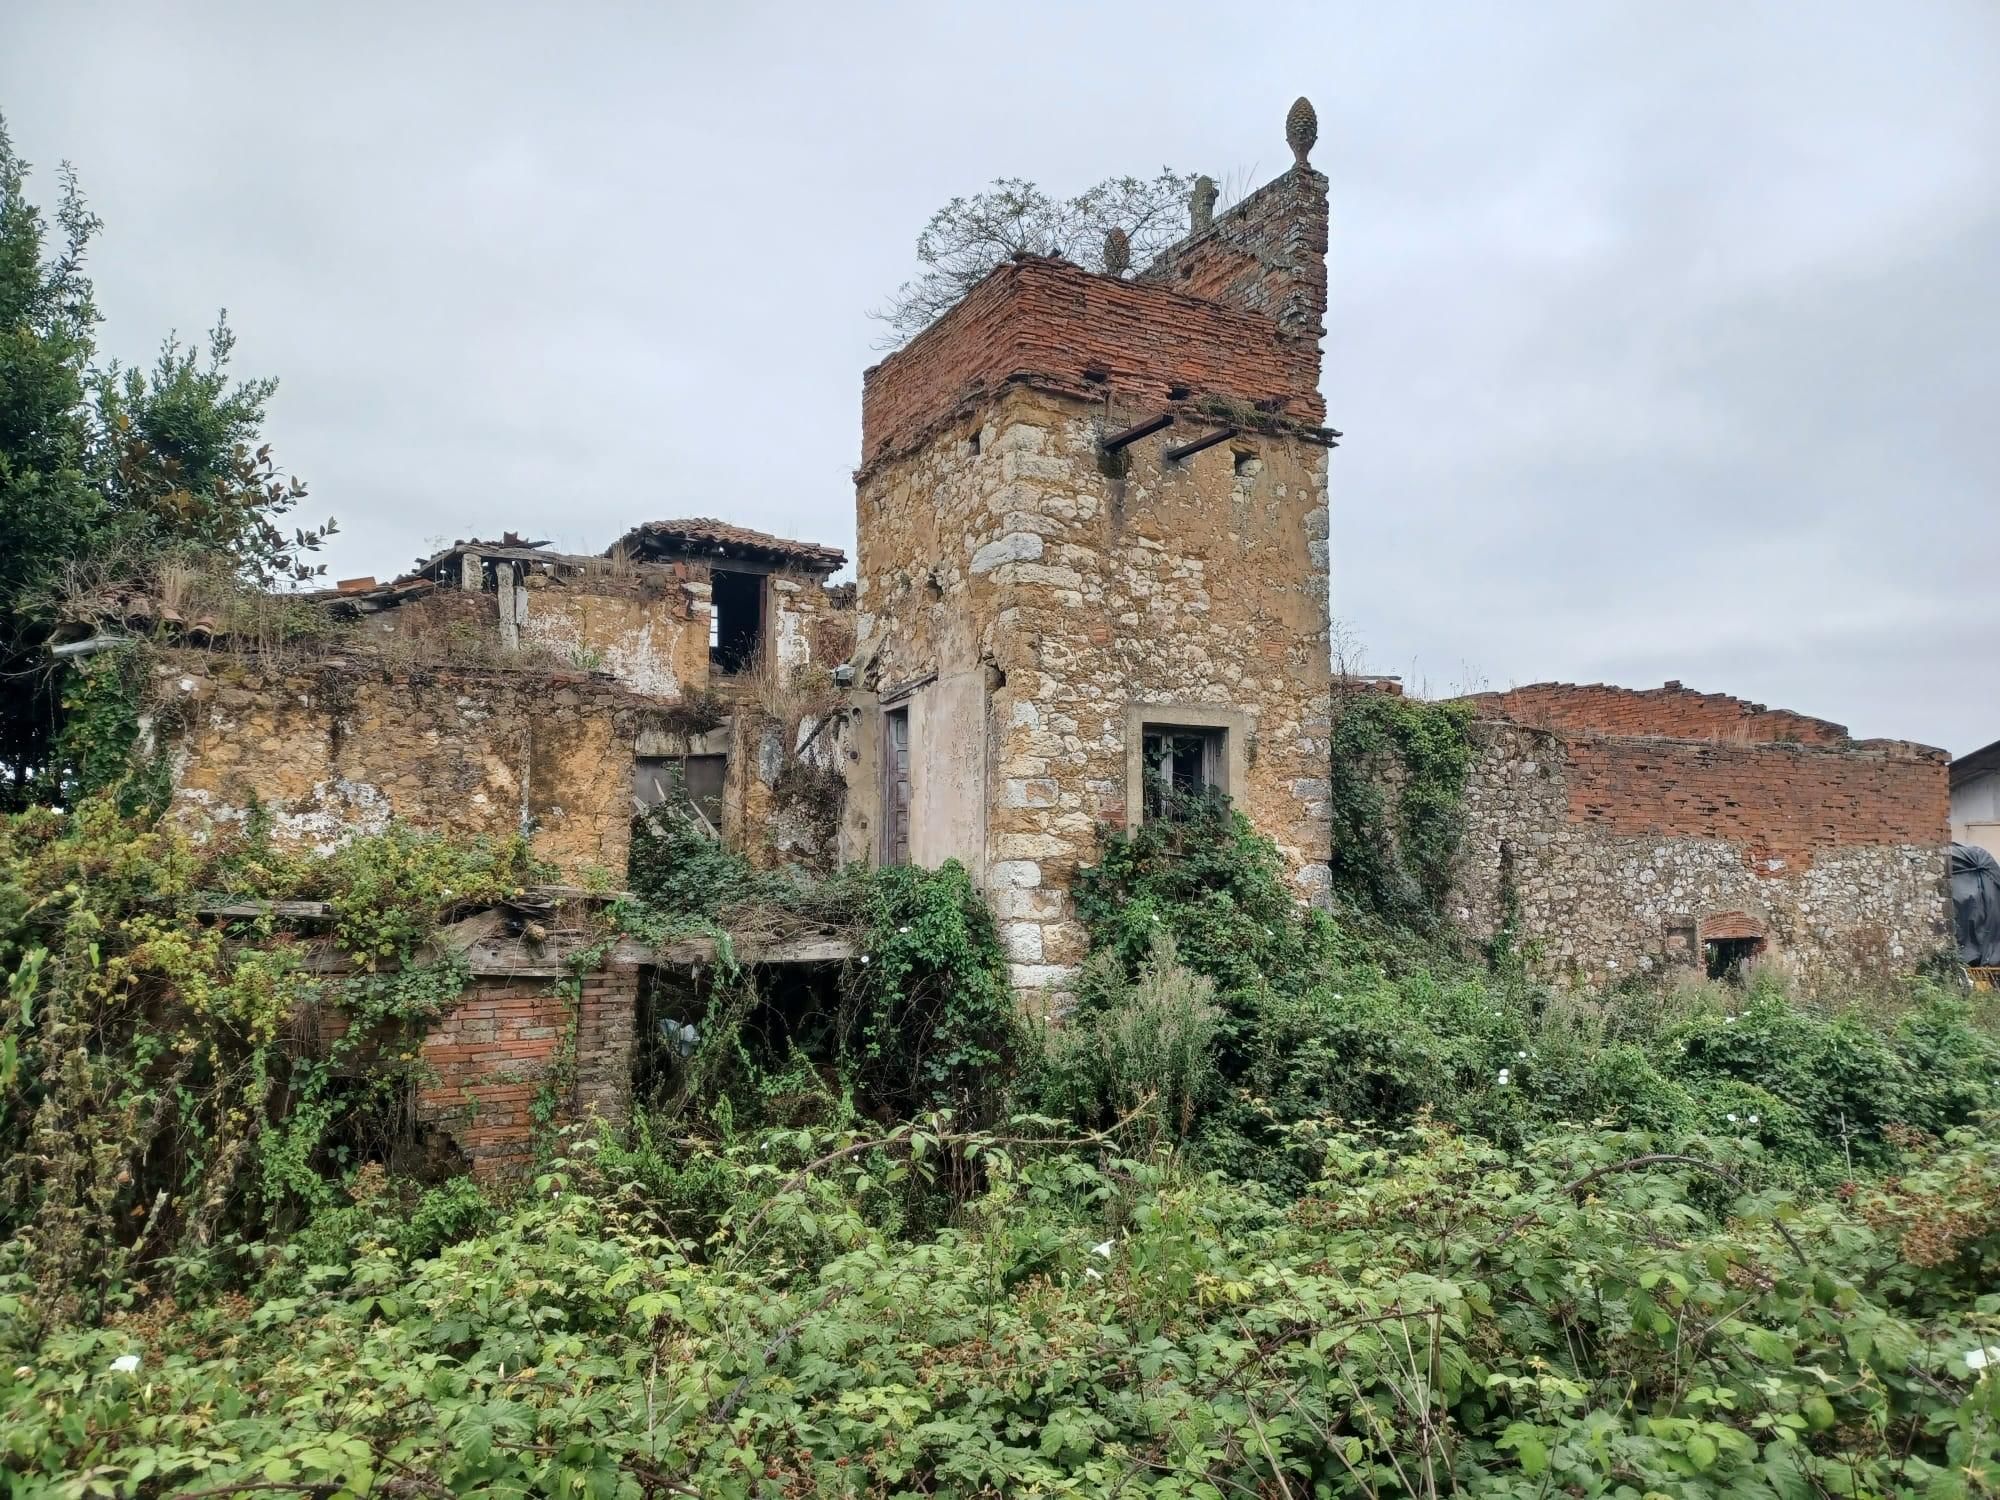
(896, 787)
(684, 780)
(1726, 957)
(735, 620)
(1182, 765)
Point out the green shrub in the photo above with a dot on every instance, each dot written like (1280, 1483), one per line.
(1148, 1041)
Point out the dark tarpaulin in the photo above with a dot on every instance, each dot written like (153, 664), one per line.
(1975, 905)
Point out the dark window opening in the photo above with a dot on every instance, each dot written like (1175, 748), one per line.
(1246, 463)
(896, 787)
(1726, 957)
(972, 444)
(735, 620)
(1181, 766)
(683, 781)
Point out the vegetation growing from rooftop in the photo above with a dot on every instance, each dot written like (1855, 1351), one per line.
(968, 237)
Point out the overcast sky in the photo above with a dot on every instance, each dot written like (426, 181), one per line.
(1665, 337)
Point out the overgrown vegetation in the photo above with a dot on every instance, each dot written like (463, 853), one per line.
(1398, 767)
(1284, 1207)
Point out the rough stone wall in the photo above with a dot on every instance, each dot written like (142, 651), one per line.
(1063, 595)
(345, 746)
(1267, 254)
(1621, 856)
(1051, 324)
(1673, 712)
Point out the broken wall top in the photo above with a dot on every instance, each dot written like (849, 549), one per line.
(1674, 712)
(1233, 313)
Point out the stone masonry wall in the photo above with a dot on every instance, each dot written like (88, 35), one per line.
(344, 746)
(1077, 594)
(1622, 855)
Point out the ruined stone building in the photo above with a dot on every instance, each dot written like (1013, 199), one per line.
(1093, 558)
(1629, 832)
(1093, 563)
(501, 686)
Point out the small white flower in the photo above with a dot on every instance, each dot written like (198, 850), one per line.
(1103, 1250)
(1980, 1358)
(1521, 1057)
(902, 929)
(1093, 1273)
(1503, 1078)
(1753, 1119)
(125, 1364)
(864, 958)
(1729, 1020)
(1156, 919)
(1732, 1119)
(1267, 932)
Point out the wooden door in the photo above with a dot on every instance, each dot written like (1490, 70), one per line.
(896, 788)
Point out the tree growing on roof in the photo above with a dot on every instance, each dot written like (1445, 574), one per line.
(968, 237)
(108, 472)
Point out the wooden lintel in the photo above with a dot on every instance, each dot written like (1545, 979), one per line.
(1138, 430)
(1207, 440)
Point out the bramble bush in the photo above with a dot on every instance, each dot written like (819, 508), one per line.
(1290, 1204)
(1434, 1315)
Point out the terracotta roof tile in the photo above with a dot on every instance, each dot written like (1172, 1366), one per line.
(707, 535)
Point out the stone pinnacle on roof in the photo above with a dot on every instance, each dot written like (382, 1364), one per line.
(1201, 204)
(1301, 129)
(1117, 252)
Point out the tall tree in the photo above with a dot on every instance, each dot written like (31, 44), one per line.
(121, 471)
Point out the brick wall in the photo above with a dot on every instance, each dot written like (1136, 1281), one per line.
(1779, 803)
(1672, 711)
(1052, 325)
(491, 1054)
(1267, 255)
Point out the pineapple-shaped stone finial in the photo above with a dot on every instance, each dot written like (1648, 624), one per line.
(1201, 204)
(1301, 129)
(1117, 252)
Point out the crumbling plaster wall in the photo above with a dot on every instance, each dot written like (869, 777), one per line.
(345, 746)
(645, 624)
(1616, 856)
(1069, 594)
(649, 632)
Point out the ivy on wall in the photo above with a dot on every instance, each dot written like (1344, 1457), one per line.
(1398, 790)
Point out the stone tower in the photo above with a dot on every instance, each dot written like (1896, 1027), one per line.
(1092, 518)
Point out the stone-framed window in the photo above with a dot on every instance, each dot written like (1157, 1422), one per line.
(1176, 750)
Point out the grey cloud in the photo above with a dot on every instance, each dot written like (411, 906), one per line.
(1664, 337)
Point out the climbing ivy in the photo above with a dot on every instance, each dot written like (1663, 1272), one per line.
(1398, 789)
